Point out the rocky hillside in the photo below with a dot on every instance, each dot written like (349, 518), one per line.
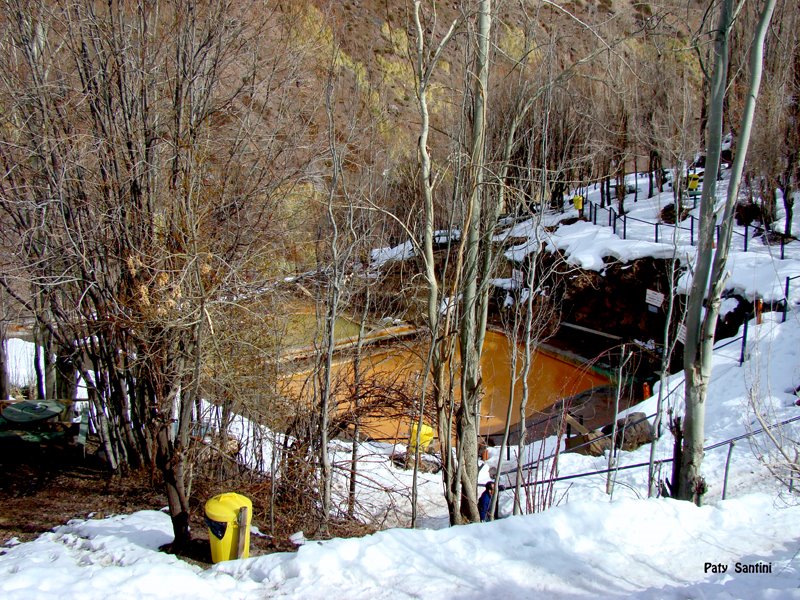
(371, 45)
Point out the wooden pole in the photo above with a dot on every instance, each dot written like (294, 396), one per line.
(243, 532)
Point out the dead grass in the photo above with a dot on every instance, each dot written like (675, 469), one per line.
(43, 488)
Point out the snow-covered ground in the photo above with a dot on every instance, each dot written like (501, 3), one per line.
(643, 548)
(590, 545)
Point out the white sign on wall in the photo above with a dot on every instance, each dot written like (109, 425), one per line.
(654, 298)
(518, 277)
(681, 335)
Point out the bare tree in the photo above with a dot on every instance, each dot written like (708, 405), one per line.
(425, 61)
(776, 447)
(472, 328)
(775, 167)
(709, 280)
(143, 152)
(4, 366)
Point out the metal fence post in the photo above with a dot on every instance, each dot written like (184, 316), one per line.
(785, 301)
(745, 237)
(656, 232)
(624, 227)
(727, 468)
(691, 230)
(783, 246)
(744, 342)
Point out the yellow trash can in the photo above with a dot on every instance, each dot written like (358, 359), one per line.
(228, 518)
(426, 435)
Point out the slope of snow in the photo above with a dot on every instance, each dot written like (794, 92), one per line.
(583, 549)
(644, 548)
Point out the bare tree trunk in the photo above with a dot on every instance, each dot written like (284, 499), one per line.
(171, 463)
(334, 291)
(768, 203)
(471, 335)
(101, 425)
(4, 367)
(650, 176)
(614, 451)
(527, 362)
(4, 381)
(701, 328)
(791, 173)
(357, 375)
(425, 63)
(788, 206)
(666, 357)
(697, 364)
(49, 353)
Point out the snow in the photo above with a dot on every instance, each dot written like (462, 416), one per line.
(381, 256)
(383, 494)
(644, 548)
(406, 250)
(589, 247)
(769, 374)
(555, 555)
(588, 545)
(21, 372)
(117, 556)
(594, 243)
(20, 362)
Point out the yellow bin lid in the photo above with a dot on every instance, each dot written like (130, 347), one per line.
(225, 507)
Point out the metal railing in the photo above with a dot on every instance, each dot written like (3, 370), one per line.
(614, 217)
(671, 390)
(532, 465)
(728, 442)
(786, 296)
(742, 337)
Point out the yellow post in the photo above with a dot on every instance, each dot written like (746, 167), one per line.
(425, 438)
(577, 202)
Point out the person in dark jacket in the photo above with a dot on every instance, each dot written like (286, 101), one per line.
(485, 502)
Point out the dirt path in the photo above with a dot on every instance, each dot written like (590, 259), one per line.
(41, 489)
